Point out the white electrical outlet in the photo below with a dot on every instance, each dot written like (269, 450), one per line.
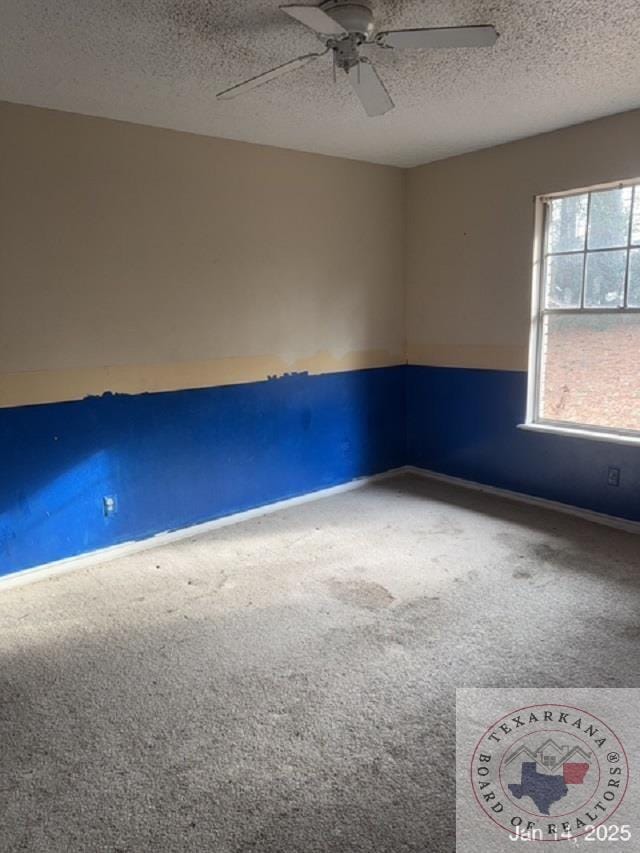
(109, 505)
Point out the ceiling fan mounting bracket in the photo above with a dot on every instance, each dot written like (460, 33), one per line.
(356, 18)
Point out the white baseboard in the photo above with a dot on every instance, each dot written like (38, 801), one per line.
(567, 509)
(113, 552)
(105, 555)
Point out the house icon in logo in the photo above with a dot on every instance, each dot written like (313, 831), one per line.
(550, 756)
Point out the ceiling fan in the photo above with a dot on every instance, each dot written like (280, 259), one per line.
(344, 28)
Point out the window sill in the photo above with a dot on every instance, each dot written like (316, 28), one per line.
(576, 432)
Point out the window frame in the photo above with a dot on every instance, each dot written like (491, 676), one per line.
(538, 312)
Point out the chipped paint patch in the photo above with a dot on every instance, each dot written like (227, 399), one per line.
(51, 386)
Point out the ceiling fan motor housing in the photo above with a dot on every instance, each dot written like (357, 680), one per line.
(356, 18)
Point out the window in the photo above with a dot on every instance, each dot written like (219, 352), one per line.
(584, 371)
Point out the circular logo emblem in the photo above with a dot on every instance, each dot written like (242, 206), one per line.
(549, 772)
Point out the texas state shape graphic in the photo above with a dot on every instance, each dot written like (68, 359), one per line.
(543, 789)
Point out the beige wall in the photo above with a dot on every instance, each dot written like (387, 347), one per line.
(135, 259)
(470, 238)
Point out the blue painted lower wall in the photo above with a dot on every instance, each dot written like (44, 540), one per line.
(463, 422)
(179, 458)
(176, 459)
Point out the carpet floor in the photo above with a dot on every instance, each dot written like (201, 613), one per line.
(287, 685)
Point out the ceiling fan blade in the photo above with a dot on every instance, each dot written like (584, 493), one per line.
(316, 19)
(435, 37)
(370, 89)
(265, 77)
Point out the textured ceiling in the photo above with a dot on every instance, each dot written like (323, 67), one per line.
(160, 62)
